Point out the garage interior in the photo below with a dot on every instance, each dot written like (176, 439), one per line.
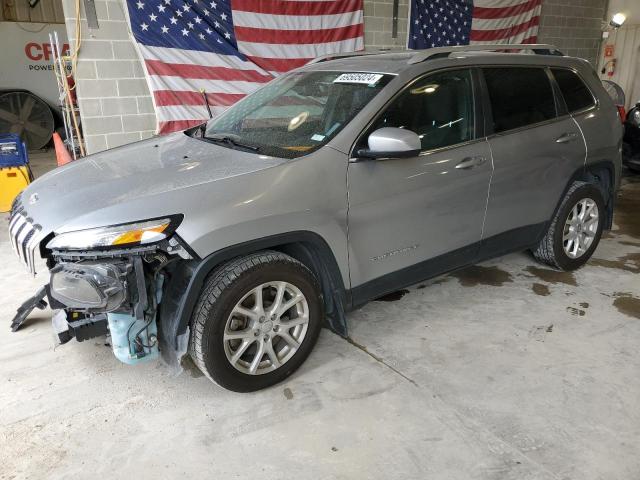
(503, 370)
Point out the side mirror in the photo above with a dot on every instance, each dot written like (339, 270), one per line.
(391, 142)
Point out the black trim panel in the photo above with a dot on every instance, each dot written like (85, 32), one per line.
(413, 274)
(515, 240)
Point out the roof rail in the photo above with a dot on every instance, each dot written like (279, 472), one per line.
(361, 53)
(444, 52)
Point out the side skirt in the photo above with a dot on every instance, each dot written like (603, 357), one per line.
(514, 240)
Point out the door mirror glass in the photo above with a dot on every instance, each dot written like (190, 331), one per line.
(391, 142)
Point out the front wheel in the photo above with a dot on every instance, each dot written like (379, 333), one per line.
(575, 231)
(256, 321)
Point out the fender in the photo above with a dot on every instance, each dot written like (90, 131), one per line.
(188, 279)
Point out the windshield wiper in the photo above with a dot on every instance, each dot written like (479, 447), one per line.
(228, 140)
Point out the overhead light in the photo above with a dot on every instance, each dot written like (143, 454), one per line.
(425, 89)
(617, 20)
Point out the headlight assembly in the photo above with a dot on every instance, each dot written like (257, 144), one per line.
(126, 235)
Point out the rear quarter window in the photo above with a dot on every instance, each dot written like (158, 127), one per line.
(577, 95)
(519, 96)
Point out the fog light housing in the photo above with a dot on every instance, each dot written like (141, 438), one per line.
(94, 288)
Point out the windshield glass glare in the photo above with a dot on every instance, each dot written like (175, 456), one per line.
(297, 113)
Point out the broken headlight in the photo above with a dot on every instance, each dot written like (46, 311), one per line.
(96, 287)
(126, 235)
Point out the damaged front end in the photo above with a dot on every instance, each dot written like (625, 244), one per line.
(120, 294)
(111, 281)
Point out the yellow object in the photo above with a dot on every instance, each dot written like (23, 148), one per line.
(12, 181)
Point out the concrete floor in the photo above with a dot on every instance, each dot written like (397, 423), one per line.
(506, 370)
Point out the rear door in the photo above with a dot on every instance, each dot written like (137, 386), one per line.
(597, 120)
(536, 147)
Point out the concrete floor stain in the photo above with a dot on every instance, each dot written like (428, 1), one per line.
(628, 263)
(626, 215)
(576, 311)
(540, 289)
(627, 304)
(288, 393)
(479, 275)
(393, 296)
(630, 244)
(553, 276)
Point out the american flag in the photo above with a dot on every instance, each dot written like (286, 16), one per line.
(231, 47)
(442, 23)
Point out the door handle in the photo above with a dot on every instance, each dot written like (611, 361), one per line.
(470, 162)
(567, 137)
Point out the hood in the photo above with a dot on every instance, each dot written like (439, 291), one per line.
(134, 182)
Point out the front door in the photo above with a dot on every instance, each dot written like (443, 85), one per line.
(412, 218)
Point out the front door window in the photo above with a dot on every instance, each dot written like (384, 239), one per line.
(439, 108)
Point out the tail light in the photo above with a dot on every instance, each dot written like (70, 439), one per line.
(622, 112)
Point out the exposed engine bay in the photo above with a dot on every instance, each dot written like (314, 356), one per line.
(111, 292)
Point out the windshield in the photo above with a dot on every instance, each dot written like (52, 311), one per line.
(296, 113)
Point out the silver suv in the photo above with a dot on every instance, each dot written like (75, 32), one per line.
(334, 184)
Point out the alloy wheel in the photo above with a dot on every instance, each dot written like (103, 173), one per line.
(266, 328)
(580, 228)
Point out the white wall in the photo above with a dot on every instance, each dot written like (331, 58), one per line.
(627, 49)
(27, 60)
(631, 8)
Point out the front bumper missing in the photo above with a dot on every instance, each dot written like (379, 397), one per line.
(37, 301)
(92, 298)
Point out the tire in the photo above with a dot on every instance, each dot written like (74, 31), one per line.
(551, 249)
(234, 288)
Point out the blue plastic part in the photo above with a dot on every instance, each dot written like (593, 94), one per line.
(124, 327)
(13, 151)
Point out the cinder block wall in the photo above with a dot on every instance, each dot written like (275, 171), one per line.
(573, 26)
(378, 24)
(114, 100)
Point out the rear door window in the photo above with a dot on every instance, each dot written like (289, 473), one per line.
(519, 96)
(576, 94)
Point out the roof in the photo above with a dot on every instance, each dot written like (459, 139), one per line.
(397, 61)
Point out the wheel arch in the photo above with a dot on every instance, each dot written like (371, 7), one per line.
(603, 175)
(183, 290)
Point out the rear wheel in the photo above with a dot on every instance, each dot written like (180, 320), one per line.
(576, 229)
(257, 320)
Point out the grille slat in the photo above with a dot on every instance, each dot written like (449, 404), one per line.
(25, 237)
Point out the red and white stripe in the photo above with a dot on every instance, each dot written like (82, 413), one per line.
(280, 35)
(275, 35)
(505, 21)
(176, 80)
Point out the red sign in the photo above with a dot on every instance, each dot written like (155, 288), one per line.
(41, 51)
(609, 50)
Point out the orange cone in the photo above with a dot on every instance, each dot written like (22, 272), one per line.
(62, 154)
